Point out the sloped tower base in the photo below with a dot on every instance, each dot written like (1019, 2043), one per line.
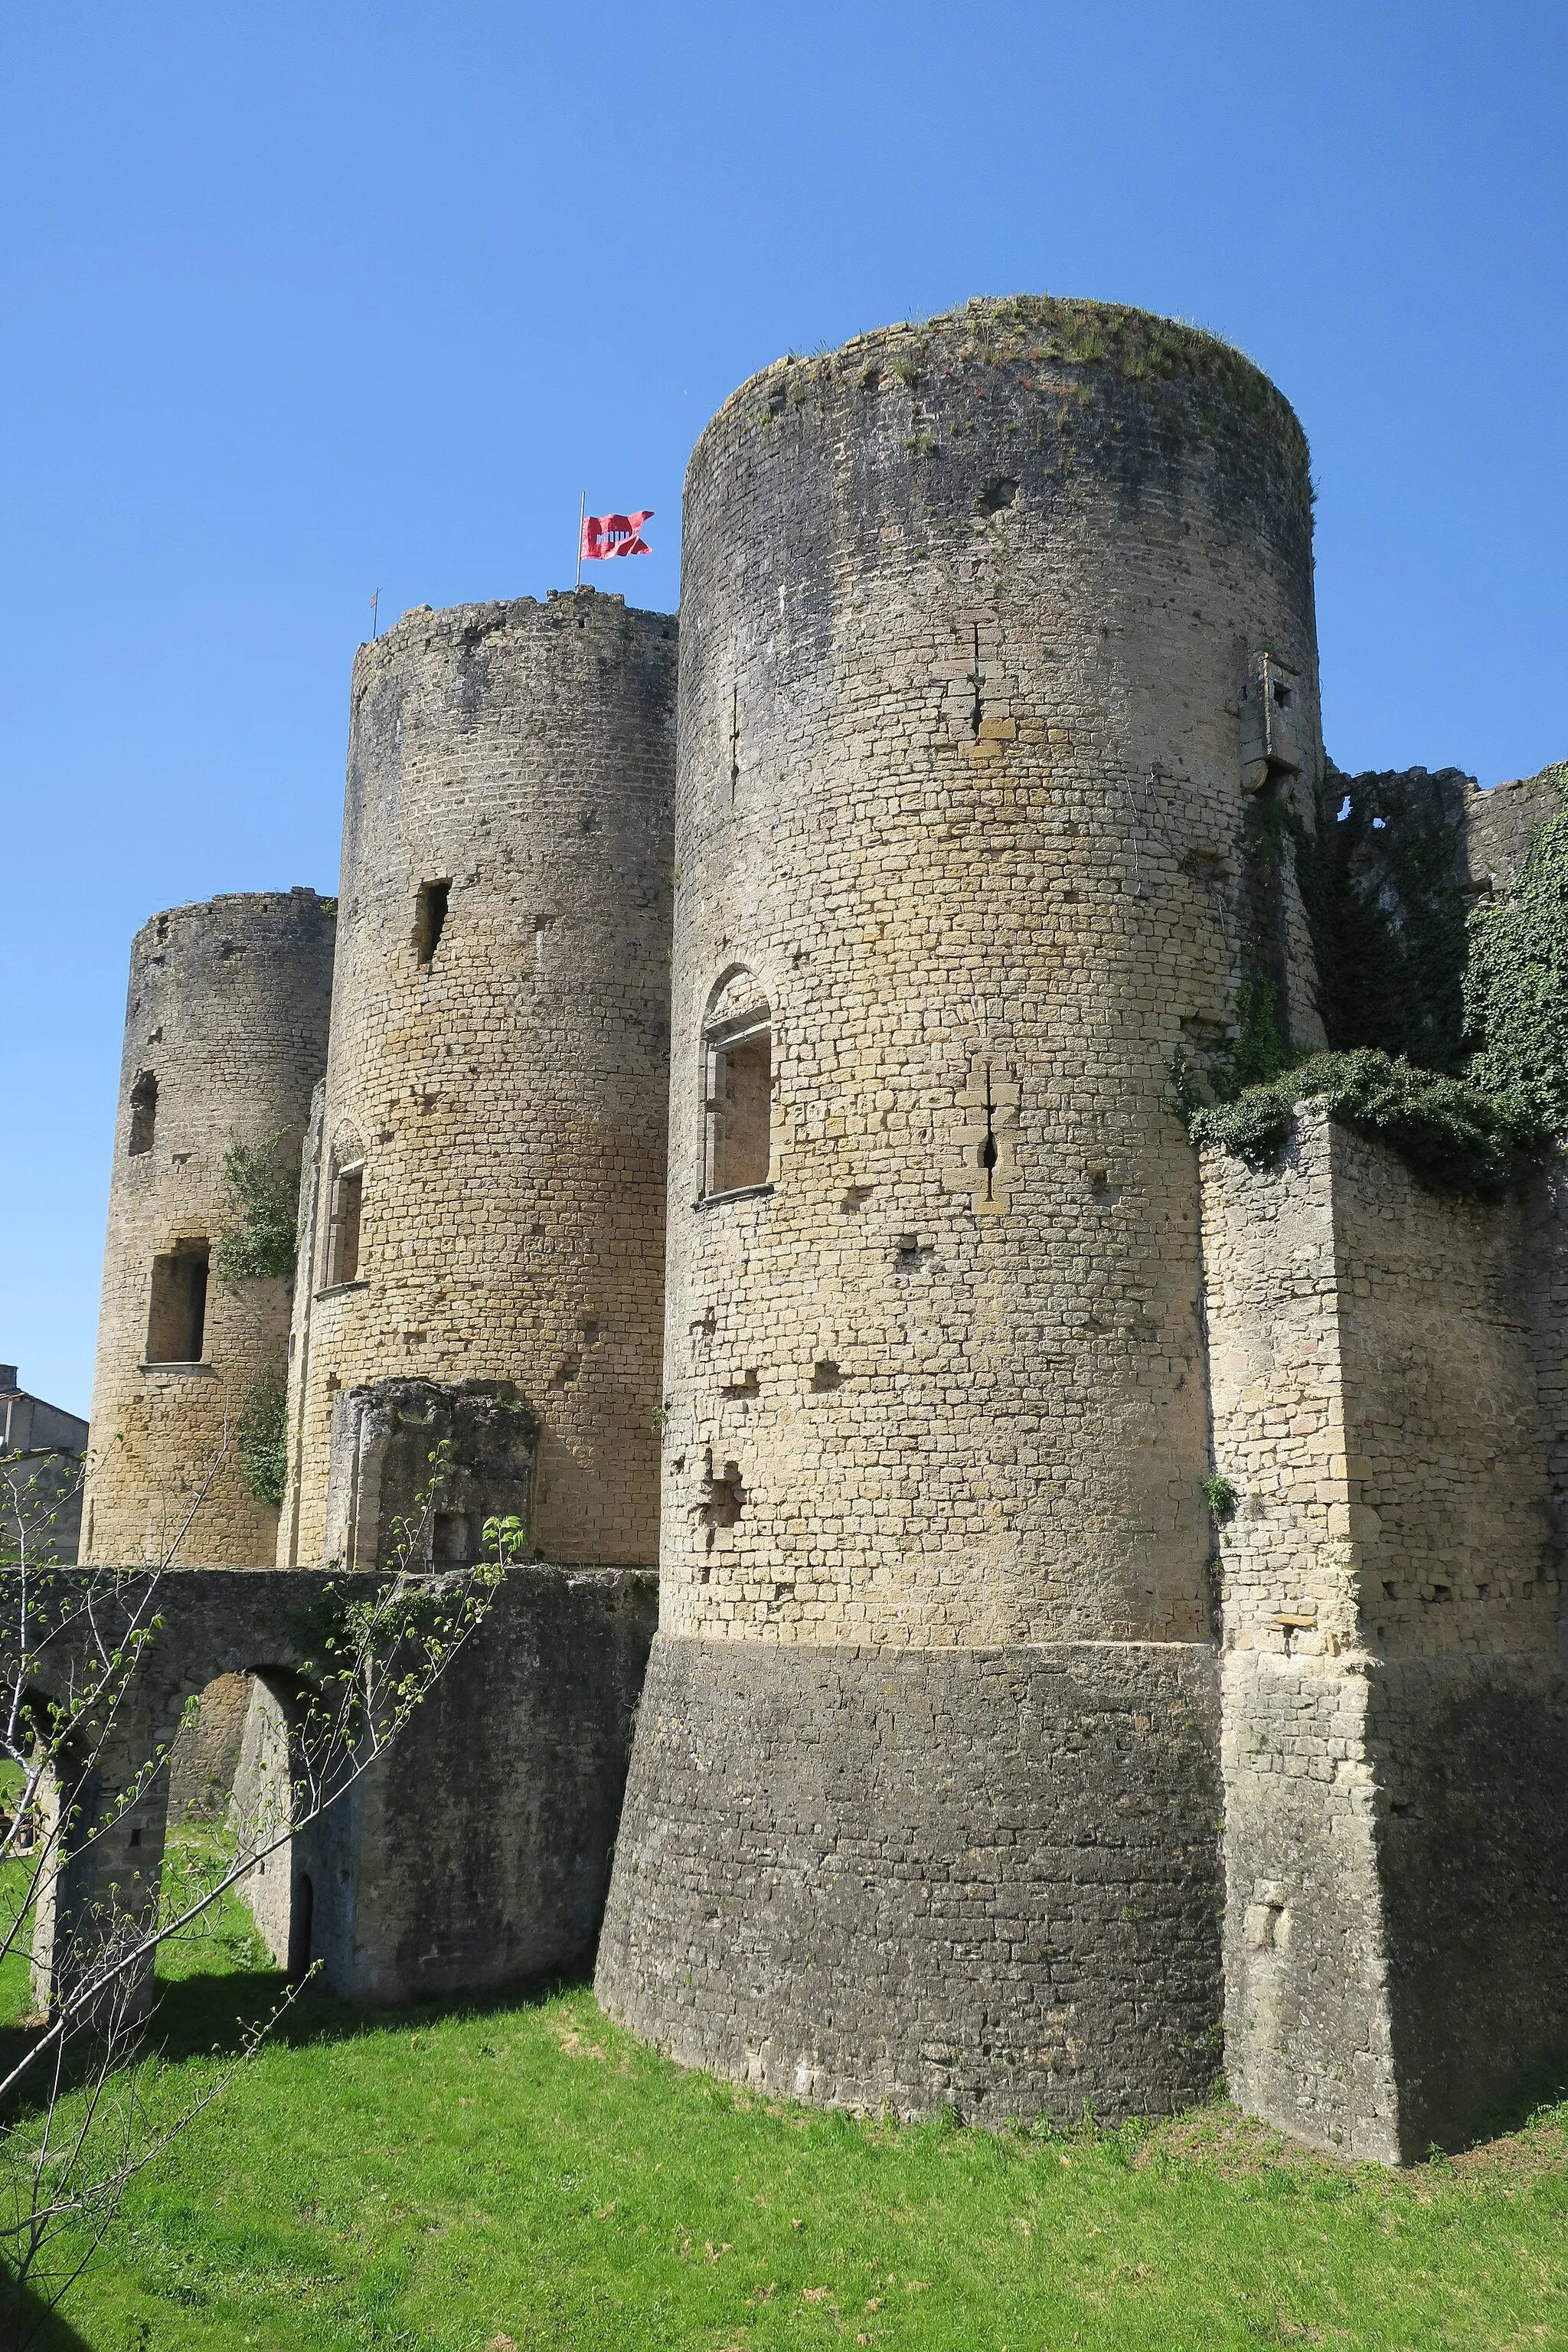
(989, 1877)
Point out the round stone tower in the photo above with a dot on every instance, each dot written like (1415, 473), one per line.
(225, 1035)
(998, 694)
(485, 1233)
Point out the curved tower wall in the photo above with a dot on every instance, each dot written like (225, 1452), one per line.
(225, 1035)
(497, 1076)
(974, 626)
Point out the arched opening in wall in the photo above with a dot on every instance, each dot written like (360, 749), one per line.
(208, 1821)
(738, 1087)
(345, 1205)
(144, 1113)
(176, 1314)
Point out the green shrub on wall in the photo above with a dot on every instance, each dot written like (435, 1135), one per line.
(263, 1188)
(261, 1437)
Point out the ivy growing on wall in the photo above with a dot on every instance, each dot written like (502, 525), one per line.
(1516, 982)
(263, 1190)
(261, 1437)
(1452, 1136)
(1383, 896)
(1449, 1037)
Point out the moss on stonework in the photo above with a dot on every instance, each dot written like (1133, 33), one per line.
(1044, 330)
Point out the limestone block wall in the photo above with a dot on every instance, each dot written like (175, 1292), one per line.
(960, 787)
(968, 612)
(1395, 1716)
(487, 1198)
(226, 1035)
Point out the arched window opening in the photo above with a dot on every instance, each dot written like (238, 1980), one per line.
(176, 1317)
(143, 1112)
(738, 1061)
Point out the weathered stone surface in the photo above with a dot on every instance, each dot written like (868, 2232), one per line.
(227, 1015)
(421, 1466)
(903, 1877)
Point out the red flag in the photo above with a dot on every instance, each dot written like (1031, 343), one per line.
(614, 535)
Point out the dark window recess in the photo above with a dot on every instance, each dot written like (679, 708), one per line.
(301, 1923)
(430, 918)
(342, 1230)
(143, 1112)
(450, 1536)
(739, 1108)
(176, 1323)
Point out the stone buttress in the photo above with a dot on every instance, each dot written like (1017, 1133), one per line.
(1388, 1382)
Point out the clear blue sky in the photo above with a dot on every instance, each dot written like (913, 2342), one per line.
(301, 301)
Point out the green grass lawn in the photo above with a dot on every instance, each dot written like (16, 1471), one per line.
(527, 2175)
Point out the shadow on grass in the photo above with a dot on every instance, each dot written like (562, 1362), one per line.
(29, 2326)
(204, 2015)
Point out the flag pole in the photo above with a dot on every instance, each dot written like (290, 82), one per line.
(582, 511)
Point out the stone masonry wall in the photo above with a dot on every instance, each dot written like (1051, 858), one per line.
(1391, 1689)
(959, 800)
(899, 1877)
(968, 614)
(500, 1050)
(227, 1015)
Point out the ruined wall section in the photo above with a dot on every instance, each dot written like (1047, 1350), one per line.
(225, 1035)
(496, 1089)
(969, 616)
(1390, 1685)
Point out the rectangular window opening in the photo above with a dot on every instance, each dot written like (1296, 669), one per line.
(430, 918)
(176, 1322)
(143, 1112)
(740, 1111)
(342, 1230)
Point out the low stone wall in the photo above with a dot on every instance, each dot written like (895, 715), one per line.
(909, 1877)
(478, 1852)
(475, 1851)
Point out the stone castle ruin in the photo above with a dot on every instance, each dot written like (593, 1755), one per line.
(1108, 1604)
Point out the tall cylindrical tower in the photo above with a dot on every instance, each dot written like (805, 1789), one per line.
(486, 1251)
(998, 691)
(225, 1035)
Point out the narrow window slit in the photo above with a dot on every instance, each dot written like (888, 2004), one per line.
(430, 918)
(988, 1148)
(978, 713)
(143, 1112)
